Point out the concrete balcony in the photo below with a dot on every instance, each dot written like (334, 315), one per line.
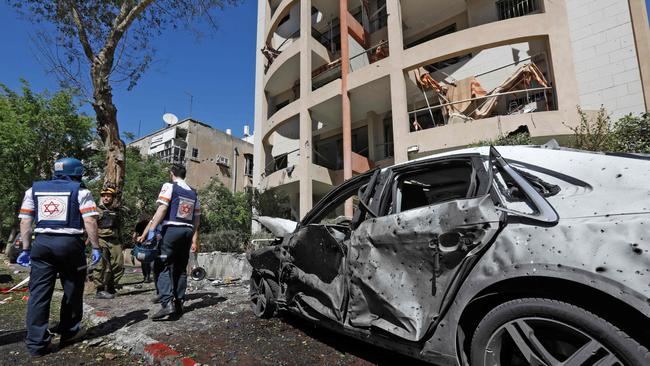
(291, 175)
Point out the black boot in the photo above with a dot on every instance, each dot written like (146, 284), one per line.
(178, 304)
(166, 311)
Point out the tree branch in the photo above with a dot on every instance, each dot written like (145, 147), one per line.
(122, 22)
(81, 30)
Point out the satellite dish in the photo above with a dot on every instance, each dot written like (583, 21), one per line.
(170, 118)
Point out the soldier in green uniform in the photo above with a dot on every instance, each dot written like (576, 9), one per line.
(110, 269)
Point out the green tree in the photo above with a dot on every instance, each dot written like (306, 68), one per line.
(225, 217)
(35, 130)
(98, 44)
(143, 178)
(271, 202)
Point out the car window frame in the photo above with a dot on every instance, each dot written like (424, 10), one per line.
(334, 198)
(390, 188)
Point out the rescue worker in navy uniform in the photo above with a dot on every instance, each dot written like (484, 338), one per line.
(62, 208)
(109, 271)
(179, 212)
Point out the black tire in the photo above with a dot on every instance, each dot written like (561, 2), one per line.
(262, 296)
(549, 332)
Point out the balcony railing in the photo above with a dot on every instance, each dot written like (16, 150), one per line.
(373, 54)
(279, 162)
(271, 53)
(516, 8)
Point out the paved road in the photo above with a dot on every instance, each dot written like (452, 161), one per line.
(219, 328)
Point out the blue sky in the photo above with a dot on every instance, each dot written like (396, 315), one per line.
(218, 70)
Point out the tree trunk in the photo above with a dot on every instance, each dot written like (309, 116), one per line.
(12, 237)
(107, 127)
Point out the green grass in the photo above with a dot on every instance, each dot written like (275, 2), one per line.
(12, 313)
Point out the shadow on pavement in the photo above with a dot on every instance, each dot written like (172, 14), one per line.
(347, 344)
(116, 323)
(207, 299)
(6, 278)
(12, 336)
(136, 292)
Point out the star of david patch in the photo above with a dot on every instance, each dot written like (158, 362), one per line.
(185, 208)
(52, 208)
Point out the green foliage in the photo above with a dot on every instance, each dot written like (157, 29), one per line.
(272, 202)
(632, 134)
(225, 218)
(35, 130)
(143, 178)
(522, 138)
(593, 134)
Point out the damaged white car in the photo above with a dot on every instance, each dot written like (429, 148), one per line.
(521, 256)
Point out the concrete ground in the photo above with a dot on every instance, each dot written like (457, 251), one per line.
(218, 328)
(13, 307)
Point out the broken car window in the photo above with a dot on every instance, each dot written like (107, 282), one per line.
(512, 192)
(443, 181)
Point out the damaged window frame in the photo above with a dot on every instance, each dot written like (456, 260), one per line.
(334, 198)
(543, 212)
(387, 205)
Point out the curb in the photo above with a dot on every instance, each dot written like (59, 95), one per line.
(151, 351)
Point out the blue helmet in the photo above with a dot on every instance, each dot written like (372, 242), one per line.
(145, 253)
(68, 167)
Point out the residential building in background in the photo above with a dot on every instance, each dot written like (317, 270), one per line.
(343, 86)
(205, 151)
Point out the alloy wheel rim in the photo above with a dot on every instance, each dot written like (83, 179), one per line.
(258, 296)
(549, 342)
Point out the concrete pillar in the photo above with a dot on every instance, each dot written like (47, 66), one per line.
(261, 105)
(345, 98)
(561, 58)
(305, 161)
(397, 83)
(639, 15)
(373, 126)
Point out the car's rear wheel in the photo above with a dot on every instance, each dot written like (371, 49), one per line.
(538, 331)
(261, 296)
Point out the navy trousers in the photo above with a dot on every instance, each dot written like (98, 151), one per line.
(174, 255)
(54, 254)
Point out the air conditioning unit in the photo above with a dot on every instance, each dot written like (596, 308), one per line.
(222, 160)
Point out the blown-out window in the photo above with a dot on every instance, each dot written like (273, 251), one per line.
(435, 183)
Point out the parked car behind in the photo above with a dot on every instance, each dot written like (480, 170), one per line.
(534, 257)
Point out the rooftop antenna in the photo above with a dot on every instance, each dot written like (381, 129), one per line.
(191, 100)
(170, 119)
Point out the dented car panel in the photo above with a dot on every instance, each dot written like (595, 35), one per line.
(404, 278)
(396, 262)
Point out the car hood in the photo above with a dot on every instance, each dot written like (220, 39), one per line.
(277, 226)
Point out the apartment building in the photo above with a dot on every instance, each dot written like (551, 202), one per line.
(205, 151)
(343, 86)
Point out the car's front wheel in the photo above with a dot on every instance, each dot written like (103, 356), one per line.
(261, 296)
(538, 331)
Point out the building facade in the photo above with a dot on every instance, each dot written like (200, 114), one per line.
(343, 86)
(205, 151)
